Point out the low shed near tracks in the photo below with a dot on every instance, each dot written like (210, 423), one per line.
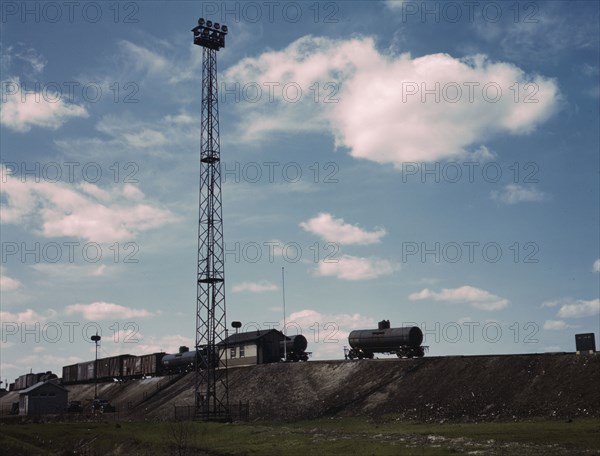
(43, 398)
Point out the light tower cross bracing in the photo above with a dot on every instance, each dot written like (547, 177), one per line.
(211, 387)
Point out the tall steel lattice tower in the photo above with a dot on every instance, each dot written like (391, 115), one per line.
(211, 388)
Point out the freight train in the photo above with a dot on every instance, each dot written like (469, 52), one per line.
(26, 380)
(125, 367)
(403, 342)
(115, 367)
(295, 348)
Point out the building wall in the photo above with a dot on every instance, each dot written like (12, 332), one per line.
(243, 355)
(264, 349)
(44, 400)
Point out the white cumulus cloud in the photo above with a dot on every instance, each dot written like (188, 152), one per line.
(333, 329)
(8, 283)
(596, 266)
(143, 59)
(333, 229)
(106, 311)
(21, 110)
(553, 303)
(555, 325)
(254, 287)
(394, 4)
(30, 56)
(71, 272)
(349, 267)
(580, 308)
(514, 193)
(28, 316)
(376, 103)
(475, 297)
(81, 210)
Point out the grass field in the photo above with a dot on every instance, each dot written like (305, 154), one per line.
(339, 436)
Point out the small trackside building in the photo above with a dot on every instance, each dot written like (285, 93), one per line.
(585, 343)
(249, 348)
(43, 398)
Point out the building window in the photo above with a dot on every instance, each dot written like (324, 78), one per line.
(242, 351)
(232, 352)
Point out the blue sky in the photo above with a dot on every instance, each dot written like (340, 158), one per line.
(427, 163)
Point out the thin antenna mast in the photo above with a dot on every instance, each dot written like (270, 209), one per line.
(284, 323)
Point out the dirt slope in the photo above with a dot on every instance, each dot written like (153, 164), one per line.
(435, 388)
(427, 389)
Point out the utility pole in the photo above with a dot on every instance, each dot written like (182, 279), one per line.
(96, 339)
(211, 386)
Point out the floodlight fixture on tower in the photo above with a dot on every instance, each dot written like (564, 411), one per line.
(210, 35)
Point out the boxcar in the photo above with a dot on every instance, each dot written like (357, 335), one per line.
(141, 366)
(85, 371)
(21, 382)
(69, 374)
(30, 380)
(109, 368)
(132, 367)
(152, 364)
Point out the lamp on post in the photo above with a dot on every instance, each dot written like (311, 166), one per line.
(284, 323)
(96, 339)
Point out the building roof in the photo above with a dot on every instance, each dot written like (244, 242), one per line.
(39, 384)
(251, 336)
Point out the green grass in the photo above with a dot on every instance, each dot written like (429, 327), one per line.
(580, 433)
(332, 436)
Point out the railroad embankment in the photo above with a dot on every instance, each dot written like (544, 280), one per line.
(427, 389)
